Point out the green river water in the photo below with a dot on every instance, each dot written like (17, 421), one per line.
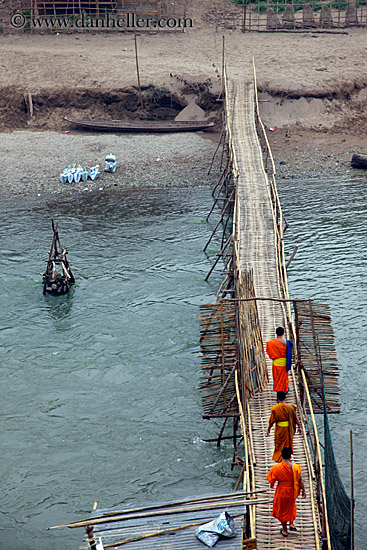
(99, 388)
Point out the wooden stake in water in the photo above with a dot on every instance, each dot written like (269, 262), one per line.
(223, 65)
(351, 493)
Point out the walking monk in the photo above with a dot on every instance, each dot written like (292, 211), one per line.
(285, 418)
(280, 352)
(290, 485)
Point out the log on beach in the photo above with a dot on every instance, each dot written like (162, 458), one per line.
(359, 160)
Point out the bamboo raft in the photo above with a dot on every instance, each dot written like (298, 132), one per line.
(152, 525)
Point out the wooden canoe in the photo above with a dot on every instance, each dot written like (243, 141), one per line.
(141, 125)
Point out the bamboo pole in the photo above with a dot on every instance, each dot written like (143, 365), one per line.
(229, 240)
(30, 103)
(220, 219)
(137, 71)
(221, 431)
(218, 194)
(259, 298)
(225, 384)
(244, 16)
(216, 150)
(351, 493)
(318, 450)
(220, 497)
(111, 519)
(291, 257)
(223, 64)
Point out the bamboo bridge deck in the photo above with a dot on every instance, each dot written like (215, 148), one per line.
(257, 252)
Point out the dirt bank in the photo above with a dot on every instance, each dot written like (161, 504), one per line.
(45, 109)
(330, 68)
(313, 86)
(302, 153)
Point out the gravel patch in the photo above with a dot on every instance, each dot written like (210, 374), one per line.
(34, 161)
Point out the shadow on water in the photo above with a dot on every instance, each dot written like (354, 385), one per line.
(114, 205)
(58, 308)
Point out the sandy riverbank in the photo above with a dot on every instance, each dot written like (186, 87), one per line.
(35, 159)
(313, 87)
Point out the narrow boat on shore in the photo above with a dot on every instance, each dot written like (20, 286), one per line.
(141, 125)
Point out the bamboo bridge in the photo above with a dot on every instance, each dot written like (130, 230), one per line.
(258, 250)
(252, 301)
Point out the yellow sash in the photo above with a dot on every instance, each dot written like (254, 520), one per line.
(284, 424)
(281, 362)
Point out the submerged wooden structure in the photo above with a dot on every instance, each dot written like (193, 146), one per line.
(54, 282)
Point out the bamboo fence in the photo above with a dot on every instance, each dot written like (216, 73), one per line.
(95, 8)
(300, 16)
(316, 354)
(230, 339)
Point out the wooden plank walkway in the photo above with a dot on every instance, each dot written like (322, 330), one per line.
(257, 251)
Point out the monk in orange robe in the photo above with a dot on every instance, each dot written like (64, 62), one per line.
(277, 351)
(290, 485)
(285, 418)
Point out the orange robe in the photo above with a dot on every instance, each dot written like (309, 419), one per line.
(276, 350)
(288, 489)
(283, 436)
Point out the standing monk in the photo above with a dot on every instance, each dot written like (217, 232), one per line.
(290, 485)
(285, 418)
(280, 352)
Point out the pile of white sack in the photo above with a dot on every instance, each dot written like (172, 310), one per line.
(77, 173)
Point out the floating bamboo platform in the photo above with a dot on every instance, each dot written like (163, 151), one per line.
(168, 525)
(316, 352)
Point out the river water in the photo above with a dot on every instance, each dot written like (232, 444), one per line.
(99, 387)
(328, 220)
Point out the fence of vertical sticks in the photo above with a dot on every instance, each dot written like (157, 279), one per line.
(301, 15)
(231, 341)
(90, 8)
